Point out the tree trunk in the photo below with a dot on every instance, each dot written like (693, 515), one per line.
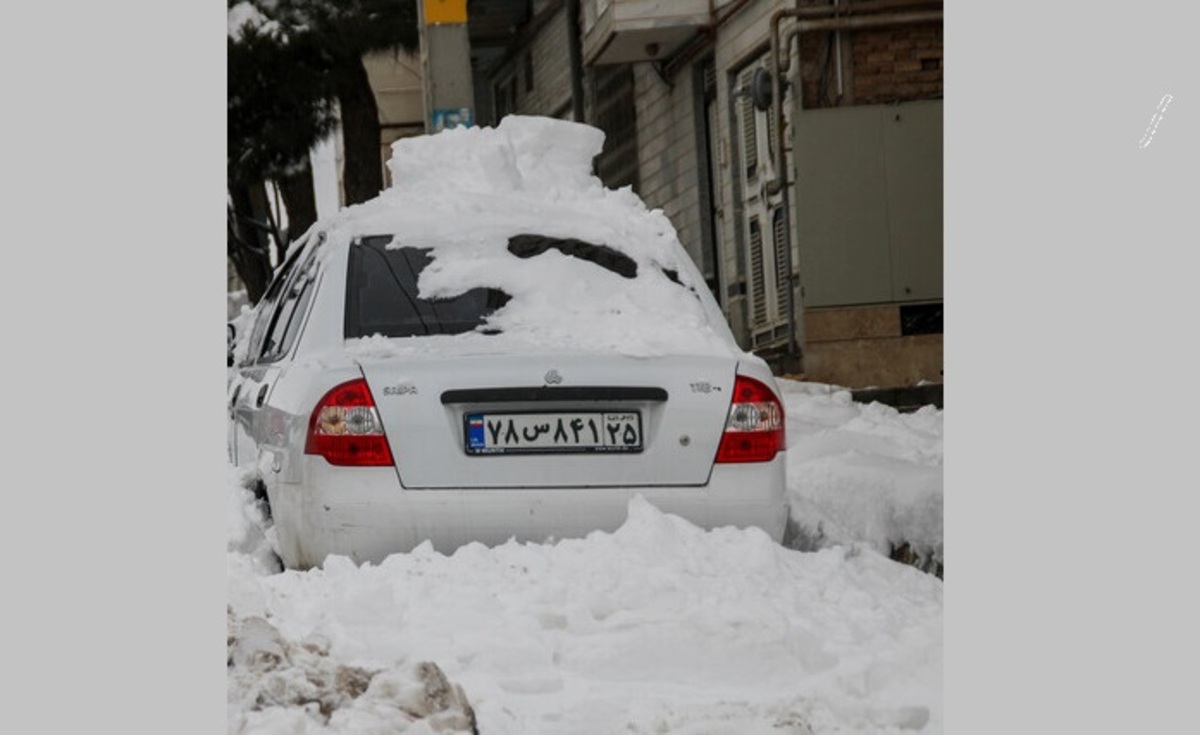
(300, 200)
(246, 244)
(363, 176)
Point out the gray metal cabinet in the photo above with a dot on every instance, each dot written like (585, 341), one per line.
(868, 203)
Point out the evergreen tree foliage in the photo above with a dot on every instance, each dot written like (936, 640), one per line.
(295, 70)
(280, 103)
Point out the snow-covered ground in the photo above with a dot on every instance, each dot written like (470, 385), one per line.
(659, 627)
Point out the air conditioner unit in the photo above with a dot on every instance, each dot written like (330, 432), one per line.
(626, 31)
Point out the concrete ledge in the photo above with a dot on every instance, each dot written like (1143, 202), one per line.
(872, 363)
(860, 322)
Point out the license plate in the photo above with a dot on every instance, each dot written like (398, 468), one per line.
(533, 433)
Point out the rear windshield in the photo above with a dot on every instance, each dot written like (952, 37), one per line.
(381, 295)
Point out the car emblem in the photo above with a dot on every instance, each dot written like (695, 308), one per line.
(553, 378)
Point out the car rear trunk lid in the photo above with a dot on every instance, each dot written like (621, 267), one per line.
(553, 421)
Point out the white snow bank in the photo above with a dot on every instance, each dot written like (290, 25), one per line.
(657, 627)
(863, 473)
(251, 537)
(464, 192)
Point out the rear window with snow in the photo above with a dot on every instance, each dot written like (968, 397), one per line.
(382, 296)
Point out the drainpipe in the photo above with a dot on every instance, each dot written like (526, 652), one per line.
(837, 52)
(832, 17)
(575, 50)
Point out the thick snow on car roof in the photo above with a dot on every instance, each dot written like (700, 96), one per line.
(612, 277)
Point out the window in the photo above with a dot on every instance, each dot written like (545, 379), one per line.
(293, 305)
(268, 308)
(291, 313)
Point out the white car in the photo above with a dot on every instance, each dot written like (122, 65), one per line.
(497, 347)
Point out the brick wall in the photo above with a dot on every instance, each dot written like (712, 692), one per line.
(897, 64)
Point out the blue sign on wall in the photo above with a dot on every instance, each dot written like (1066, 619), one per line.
(452, 118)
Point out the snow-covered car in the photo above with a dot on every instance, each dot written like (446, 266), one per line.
(497, 347)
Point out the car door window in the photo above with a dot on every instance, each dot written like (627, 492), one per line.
(293, 306)
(292, 309)
(273, 304)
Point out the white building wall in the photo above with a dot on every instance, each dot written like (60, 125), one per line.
(551, 67)
(669, 175)
(669, 137)
(548, 67)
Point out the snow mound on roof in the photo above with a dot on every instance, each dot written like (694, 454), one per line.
(464, 193)
(521, 153)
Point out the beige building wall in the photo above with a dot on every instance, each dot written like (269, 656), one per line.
(536, 80)
(668, 166)
(396, 79)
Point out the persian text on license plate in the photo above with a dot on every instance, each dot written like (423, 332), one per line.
(591, 431)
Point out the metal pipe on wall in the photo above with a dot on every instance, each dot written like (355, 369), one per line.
(837, 42)
(575, 49)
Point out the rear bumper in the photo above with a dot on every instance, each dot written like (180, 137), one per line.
(364, 514)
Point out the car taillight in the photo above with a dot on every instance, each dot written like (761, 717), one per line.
(754, 429)
(345, 428)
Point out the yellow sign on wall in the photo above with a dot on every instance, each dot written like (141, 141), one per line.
(445, 11)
